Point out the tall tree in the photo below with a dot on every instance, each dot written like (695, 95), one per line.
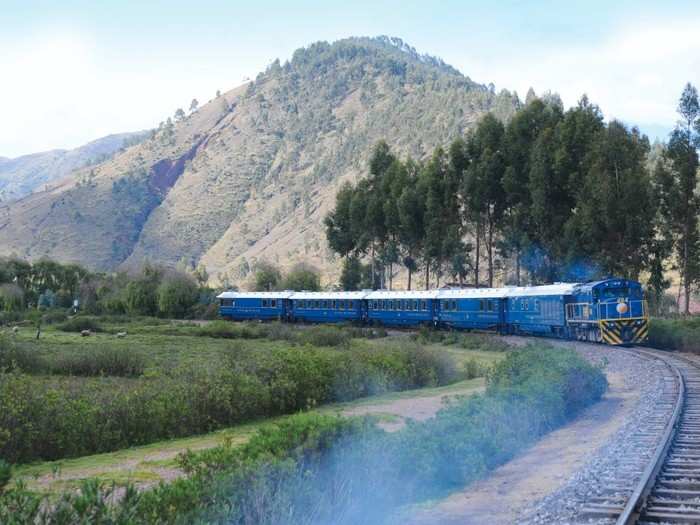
(411, 210)
(483, 188)
(682, 210)
(615, 209)
(521, 133)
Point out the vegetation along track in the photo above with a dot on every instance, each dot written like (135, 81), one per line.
(660, 482)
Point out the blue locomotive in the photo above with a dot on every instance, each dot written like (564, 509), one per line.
(611, 311)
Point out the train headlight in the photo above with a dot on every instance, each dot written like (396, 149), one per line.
(621, 308)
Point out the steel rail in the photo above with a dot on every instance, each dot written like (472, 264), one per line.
(637, 501)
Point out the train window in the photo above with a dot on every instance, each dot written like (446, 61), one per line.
(527, 304)
(351, 305)
(264, 303)
(273, 303)
(374, 305)
(227, 302)
(416, 305)
(454, 306)
(492, 306)
(537, 305)
(424, 305)
(482, 305)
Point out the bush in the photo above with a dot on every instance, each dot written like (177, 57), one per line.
(66, 418)
(54, 316)
(96, 361)
(14, 356)
(675, 334)
(5, 474)
(302, 277)
(80, 323)
(11, 298)
(177, 294)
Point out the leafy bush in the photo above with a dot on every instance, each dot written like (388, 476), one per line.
(104, 413)
(14, 356)
(5, 474)
(96, 361)
(177, 294)
(54, 316)
(80, 323)
(675, 334)
(323, 335)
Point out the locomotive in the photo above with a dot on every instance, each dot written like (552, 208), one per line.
(611, 311)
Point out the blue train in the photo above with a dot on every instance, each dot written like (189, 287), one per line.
(611, 311)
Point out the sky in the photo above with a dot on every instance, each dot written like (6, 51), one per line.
(73, 71)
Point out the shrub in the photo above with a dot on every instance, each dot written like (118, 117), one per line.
(11, 298)
(96, 361)
(5, 474)
(13, 356)
(80, 323)
(323, 335)
(675, 334)
(302, 277)
(54, 316)
(104, 413)
(177, 294)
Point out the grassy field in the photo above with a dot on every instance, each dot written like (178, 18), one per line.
(166, 347)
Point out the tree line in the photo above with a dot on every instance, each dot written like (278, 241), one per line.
(152, 290)
(550, 195)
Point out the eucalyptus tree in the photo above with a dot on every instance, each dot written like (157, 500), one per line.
(615, 208)
(483, 188)
(683, 204)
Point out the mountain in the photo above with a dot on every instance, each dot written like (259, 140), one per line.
(251, 174)
(23, 175)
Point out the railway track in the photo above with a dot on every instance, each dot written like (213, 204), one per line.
(659, 480)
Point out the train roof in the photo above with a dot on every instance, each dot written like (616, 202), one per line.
(327, 295)
(403, 294)
(285, 294)
(512, 291)
(546, 289)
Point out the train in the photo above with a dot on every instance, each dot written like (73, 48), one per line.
(611, 311)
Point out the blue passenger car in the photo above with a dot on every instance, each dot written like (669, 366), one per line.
(264, 306)
(538, 310)
(471, 308)
(327, 307)
(410, 308)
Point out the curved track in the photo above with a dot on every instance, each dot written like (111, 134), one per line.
(660, 483)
